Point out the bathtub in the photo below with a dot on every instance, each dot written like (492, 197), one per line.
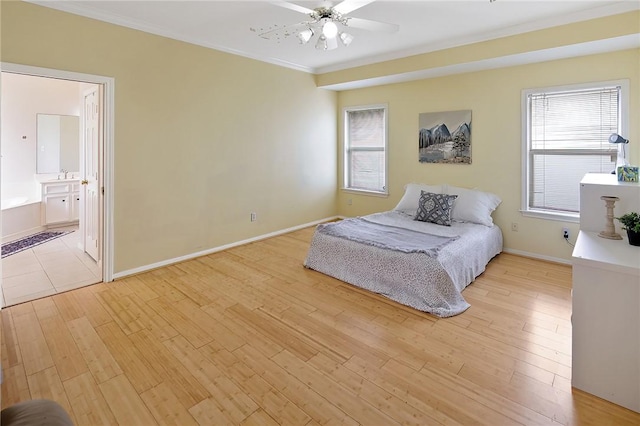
(14, 202)
(21, 216)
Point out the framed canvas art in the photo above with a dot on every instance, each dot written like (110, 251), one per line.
(445, 137)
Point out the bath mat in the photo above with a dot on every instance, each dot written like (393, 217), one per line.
(31, 241)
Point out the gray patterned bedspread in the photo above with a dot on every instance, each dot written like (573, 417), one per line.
(429, 284)
(386, 236)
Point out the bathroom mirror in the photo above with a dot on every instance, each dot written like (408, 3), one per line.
(58, 143)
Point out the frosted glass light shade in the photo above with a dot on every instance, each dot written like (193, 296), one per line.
(346, 38)
(322, 43)
(329, 29)
(305, 35)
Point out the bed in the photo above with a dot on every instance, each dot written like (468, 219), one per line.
(424, 263)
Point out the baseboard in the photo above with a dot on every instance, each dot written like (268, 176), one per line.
(168, 262)
(22, 234)
(537, 256)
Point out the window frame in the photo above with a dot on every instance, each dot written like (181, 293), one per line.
(525, 208)
(346, 157)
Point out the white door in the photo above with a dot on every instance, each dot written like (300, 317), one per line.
(91, 181)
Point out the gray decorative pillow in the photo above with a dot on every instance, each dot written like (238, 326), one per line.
(435, 208)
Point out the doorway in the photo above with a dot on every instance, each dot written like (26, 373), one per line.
(86, 196)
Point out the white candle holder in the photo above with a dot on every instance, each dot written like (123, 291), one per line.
(609, 229)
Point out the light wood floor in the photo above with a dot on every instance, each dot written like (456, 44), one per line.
(248, 336)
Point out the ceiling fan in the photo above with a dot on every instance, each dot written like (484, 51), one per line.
(328, 22)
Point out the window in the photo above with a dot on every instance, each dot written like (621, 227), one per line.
(365, 149)
(566, 135)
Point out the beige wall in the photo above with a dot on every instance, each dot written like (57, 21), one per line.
(494, 97)
(202, 138)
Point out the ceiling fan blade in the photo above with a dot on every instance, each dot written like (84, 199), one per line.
(367, 24)
(347, 6)
(292, 6)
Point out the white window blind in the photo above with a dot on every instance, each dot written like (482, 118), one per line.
(567, 137)
(365, 149)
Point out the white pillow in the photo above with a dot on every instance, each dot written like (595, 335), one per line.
(472, 205)
(409, 202)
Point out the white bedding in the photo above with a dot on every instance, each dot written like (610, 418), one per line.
(429, 284)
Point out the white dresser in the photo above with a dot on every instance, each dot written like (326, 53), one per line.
(606, 297)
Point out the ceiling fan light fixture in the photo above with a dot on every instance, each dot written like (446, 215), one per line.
(332, 43)
(322, 43)
(330, 29)
(305, 35)
(346, 38)
(326, 22)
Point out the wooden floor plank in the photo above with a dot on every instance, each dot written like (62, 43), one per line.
(236, 325)
(248, 336)
(334, 342)
(274, 403)
(234, 403)
(100, 361)
(361, 411)
(11, 355)
(15, 387)
(152, 321)
(122, 310)
(36, 355)
(406, 390)
(131, 360)
(317, 407)
(125, 403)
(91, 306)
(68, 306)
(207, 412)
(259, 418)
(175, 313)
(87, 402)
(277, 331)
(140, 288)
(46, 384)
(165, 407)
(378, 397)
(64, 351)
(186, 387)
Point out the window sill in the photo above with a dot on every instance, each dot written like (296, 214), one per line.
(549, 215)
(365, 192)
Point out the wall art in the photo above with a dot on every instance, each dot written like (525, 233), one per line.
(445, 137)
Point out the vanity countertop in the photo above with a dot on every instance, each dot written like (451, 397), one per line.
(57, 177)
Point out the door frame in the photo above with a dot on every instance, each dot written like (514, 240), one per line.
(108, 84)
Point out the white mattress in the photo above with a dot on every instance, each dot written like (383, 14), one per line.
(429, 284)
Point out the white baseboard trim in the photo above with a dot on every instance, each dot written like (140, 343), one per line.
(537, 256)
(168, 262)
(22, 234)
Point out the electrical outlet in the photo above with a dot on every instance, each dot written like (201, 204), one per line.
(254, 216)
(514, 226)
(565, 233)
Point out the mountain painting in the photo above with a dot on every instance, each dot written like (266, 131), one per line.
(445, 137)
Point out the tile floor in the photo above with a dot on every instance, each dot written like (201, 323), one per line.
(50, 268)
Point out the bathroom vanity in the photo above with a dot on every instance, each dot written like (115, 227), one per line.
(60, 201)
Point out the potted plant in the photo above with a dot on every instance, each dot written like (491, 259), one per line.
(631, 222)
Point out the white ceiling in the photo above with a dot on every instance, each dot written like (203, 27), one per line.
(425, 25)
